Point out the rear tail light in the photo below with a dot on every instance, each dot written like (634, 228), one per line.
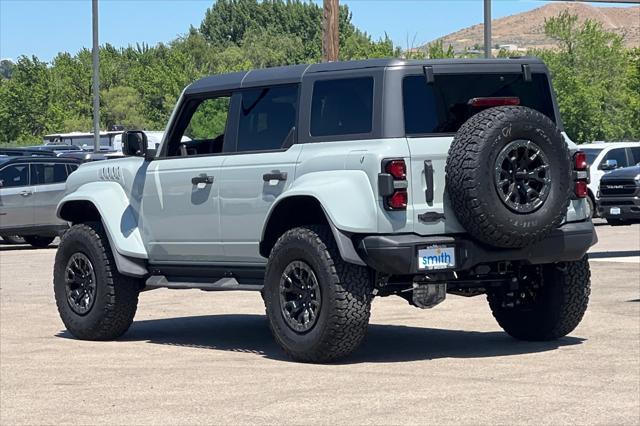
(580, 174)
(580, 161)
(399, 199)
(494, 101)
(392, 184)
(397, 169)
(581, 189)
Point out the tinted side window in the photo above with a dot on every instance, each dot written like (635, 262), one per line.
(342, 107)
(15, 175)
(618, 154)
(635, 155)
(201, 128)
(267, 117)
(48, 173)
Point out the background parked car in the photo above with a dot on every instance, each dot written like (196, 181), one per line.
(30, 188)
(55, 148)
(25, 152)
(605, 157)
(620, 196)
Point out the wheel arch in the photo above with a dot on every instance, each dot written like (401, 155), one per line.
(299, 210)
(106, 202)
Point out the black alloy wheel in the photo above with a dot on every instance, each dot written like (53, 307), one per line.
(300, 297)
(521, 176)
(80, 280)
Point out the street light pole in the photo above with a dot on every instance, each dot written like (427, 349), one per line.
(96, 78)
(487, 28)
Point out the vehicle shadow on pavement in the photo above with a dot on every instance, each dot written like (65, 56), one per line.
(384, 343)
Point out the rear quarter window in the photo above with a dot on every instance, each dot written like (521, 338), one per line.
(342, 107)
(442, 106)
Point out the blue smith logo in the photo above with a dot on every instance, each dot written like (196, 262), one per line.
(440, 258)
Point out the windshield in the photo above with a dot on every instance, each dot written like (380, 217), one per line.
(443, 106)
(591, 154)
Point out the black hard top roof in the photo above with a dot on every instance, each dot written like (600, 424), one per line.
(294, 73)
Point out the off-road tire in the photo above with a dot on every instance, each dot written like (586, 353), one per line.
(470, 176)
(38, 241)
(116, 297)
(560, 305)
(346, 291)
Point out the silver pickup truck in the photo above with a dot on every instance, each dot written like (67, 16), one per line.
(323, 186)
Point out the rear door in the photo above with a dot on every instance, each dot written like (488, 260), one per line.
(48, 180)
(433, 113)
(16, 209)
(261, 168)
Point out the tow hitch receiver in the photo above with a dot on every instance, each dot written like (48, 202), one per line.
(427, 296)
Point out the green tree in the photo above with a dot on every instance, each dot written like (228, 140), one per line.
(593, 79)
(121, 105)
(6, 68)
(436, 50)
(25, 103)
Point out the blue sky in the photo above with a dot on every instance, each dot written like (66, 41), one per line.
(46, 27)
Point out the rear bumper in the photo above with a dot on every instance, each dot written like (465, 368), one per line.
(398, 254)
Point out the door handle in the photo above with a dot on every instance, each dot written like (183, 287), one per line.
(275, 175)
(26, 193)
(207, 180)
(428, 177)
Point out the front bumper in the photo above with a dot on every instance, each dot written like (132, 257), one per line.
(397, 254)
(629, 208)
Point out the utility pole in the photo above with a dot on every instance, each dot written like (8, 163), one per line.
(487, 28)
(330, 39)
(96, 78)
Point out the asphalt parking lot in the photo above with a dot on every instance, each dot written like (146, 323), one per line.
(196, 357)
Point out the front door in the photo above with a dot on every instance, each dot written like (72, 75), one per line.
(261, 169)
(16, 207)
(180, 218)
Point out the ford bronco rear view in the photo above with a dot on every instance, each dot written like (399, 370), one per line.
(322, 186)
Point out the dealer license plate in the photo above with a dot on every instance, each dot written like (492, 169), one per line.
(436, 257)
(614, 210)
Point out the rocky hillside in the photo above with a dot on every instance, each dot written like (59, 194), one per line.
(526, 30)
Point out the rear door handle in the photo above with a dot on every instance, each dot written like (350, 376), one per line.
(26, 193)
(275, 175)
(205, 179)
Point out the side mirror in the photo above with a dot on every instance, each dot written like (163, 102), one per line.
(609, 165)
(134, 143)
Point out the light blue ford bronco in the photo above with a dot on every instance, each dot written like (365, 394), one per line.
(324, 185)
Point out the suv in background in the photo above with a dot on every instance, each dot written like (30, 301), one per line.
(620, 196)
(30, 189)
(322, 186)
(605, 157)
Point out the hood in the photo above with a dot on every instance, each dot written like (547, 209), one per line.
(623, 173)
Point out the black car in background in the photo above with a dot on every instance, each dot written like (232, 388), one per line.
(620, 196)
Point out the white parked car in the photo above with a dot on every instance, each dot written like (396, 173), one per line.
(604, 157)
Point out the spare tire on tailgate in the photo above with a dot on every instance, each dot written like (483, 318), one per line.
(508, 176)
